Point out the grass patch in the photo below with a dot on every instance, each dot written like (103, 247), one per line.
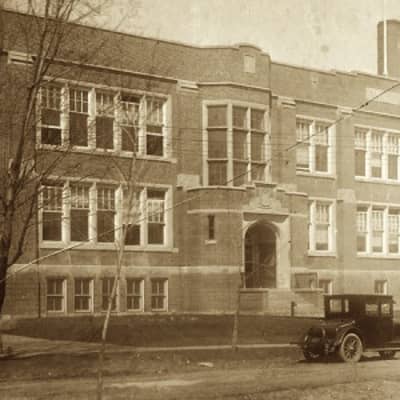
(166, 330)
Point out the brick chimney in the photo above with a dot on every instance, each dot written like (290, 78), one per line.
(392, 48)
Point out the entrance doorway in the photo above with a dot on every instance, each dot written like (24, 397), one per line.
(260, 257)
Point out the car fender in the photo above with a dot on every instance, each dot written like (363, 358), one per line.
(344, 330)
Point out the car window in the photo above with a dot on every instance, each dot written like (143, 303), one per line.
(385, 309)
(371, 309)
(336, 305)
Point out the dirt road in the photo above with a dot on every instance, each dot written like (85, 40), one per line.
(294, 379)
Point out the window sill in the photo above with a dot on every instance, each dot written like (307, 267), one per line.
(315, 253)
(316, 175)
(376, 180)
(379, 255)
(108, 152)
(210, 242)
(106, 246)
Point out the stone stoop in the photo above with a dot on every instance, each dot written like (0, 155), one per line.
(282, 302)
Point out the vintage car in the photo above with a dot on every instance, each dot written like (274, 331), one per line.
(354, 324)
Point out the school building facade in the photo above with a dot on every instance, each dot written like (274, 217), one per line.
(281, 177)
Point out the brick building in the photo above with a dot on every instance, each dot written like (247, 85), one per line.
(279, 173)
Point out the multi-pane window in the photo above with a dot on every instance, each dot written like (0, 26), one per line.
(314, 142)
(132, 217)
(159, 294)
(236, 144)
(96, 118)
(78, 117)
(104, 120)
(50, 118)
(154, 127)
(130, 107)
(362, 229)
(155, 216)
(378, 230)
(55, 295)
(79, 213)
(377, 154)
(394, 231)
(106, 291)
(321, 232)
(83, 294)
(325, 285)
(360, 152)
(52, 200)
(381, 287)
(100, 214)
(105, 214)
(134, 294)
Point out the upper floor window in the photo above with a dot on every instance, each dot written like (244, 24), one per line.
(78, 117)
(237, 144)
(50, 119)
(378, 229)
(321, 226)
(52, 200)
(314, 149)
(376, 154)
(102, 119)
(105, 114)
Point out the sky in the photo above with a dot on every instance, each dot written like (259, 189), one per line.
(325, 34)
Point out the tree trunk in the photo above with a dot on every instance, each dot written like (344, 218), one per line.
(3, 273)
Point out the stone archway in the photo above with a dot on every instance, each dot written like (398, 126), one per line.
(260, 256)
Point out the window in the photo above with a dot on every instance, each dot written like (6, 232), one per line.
(338, 306)
(155, 216)
(362, 228)
(50, 119)
(314, 142)
(377, 154)
(94, 212)
(55, 295)
(107, 286)
(154, 127)
(78, 117)
(325, 285)
(79, 215)
(159, 290)
(394, 230)
(52, 212)
(371, 309)
(105, 215)
(129, 122)
(381, 287)
(378, 229)
(132, 217)
(321, 231)
(104, 120)
(236, 144)
(107, 120)
(211, 227)
(83, 295)
(134, 294)
(360, 151)
(249, 64)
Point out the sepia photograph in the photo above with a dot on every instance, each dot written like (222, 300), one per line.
(199, 199)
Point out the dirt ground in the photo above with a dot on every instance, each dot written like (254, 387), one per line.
(267, 374)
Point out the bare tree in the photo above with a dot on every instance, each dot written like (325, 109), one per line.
(34, 44)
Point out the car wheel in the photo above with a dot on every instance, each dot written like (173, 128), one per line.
(351, 348)
(387, 354)
(311, 356)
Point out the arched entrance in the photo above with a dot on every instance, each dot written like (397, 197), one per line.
(260, 257)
